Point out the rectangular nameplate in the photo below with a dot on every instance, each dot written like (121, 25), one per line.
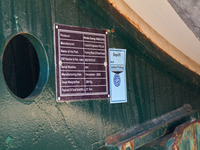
(81, 59)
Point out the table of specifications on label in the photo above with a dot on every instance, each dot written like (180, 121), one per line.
(81, 63)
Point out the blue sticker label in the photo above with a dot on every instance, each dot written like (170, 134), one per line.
(117, 80)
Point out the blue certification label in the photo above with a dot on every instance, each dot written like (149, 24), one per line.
(117, 80)
(117, 72)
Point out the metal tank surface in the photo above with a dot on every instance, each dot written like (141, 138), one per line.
(158, 87)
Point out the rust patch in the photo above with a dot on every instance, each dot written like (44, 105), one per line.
(111, 139)
(110, 31)
(186, 132)
(125, 16)
(175, 143)
(194, 136)
(128, 144)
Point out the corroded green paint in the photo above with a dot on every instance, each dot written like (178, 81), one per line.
(156, 84)
(140, 135)
(185, 136)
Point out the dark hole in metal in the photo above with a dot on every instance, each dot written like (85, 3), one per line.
(21, 67)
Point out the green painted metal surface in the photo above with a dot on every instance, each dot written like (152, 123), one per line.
(156, 84)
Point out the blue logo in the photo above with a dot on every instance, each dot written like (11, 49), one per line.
(117, 80)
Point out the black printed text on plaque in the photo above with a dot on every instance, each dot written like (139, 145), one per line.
(81, 60)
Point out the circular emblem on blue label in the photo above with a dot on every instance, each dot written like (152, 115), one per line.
(117, 80)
